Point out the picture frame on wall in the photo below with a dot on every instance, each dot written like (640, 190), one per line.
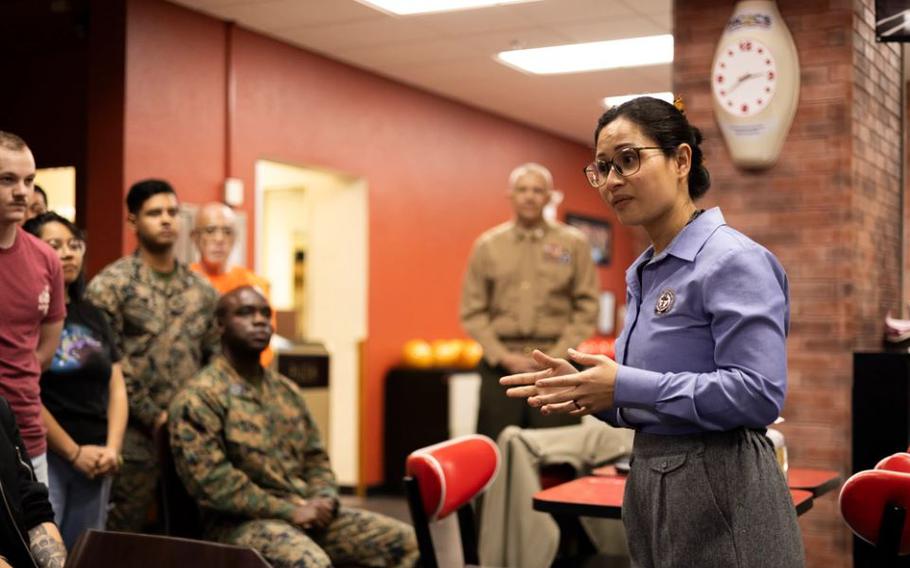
(599, 233)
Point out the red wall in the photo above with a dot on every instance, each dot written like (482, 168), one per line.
(175, 102)
(436, 170)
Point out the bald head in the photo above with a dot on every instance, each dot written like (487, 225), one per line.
(546, 178)
(214, 235)
(531, 186)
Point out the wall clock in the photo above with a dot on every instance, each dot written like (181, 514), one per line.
(755, 83)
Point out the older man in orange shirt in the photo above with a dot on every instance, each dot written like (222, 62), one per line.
(215, 234)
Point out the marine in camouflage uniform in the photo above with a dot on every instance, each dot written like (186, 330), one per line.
(248, 450)
(164, 326)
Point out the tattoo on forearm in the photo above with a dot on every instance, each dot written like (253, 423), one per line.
(47, 549)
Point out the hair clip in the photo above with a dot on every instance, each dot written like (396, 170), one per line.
(678, 103)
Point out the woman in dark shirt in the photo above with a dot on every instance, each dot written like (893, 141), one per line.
(83, 395)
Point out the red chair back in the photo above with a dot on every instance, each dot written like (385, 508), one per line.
(444, 478)
(874, 504)
(452, 473)
(897, 462)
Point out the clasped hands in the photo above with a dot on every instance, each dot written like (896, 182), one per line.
(315, 513)
(96, 461)
(560, 388)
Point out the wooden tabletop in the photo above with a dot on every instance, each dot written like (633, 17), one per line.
(601, 496)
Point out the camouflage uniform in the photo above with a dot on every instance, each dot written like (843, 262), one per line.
(164, 326)
(244, 451)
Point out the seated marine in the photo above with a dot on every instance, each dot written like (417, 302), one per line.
(248, 450)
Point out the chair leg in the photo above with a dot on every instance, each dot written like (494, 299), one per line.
(468, 534)
(889, 536)
(421, 524)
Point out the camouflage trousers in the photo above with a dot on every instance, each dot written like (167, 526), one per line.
(134, 486)
(355, 537)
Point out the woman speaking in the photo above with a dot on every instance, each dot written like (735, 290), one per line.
(701, 363)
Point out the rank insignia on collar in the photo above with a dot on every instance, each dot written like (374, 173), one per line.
(665, 301)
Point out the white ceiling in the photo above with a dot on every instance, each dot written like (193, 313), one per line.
(452, 53)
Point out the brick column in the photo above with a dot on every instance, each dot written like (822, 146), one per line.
(830, 210)
(905, 284)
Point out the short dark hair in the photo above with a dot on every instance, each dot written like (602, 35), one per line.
(40, 191)
(221, 306)
(34, 226)
(141, 191)
(11, 141)
(668, 127)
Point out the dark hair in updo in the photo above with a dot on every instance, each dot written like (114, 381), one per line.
(668, 127)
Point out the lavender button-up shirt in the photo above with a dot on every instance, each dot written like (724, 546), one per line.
(704, 342)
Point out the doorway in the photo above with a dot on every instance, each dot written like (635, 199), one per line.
(312, 246)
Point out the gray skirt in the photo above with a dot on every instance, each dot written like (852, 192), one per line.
(709, 500)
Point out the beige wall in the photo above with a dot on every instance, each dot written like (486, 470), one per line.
(327, 212)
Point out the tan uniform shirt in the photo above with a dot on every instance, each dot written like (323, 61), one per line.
(530, 288)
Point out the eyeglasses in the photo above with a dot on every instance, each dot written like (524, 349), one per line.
(626, 162)
(211, 230)
(74, 245)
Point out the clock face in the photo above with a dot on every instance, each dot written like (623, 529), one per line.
(744, 77)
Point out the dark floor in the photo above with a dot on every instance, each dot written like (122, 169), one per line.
(397, 507)
(391, 505)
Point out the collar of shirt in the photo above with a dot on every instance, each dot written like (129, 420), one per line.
(144, 274)
(534, 234)
(239, 386)
(684, 246)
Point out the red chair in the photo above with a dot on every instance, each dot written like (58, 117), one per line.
(874, 504)
(444, 478)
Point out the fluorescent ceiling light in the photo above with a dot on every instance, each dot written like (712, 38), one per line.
(411, 7)
(618, 100)
(578, 57)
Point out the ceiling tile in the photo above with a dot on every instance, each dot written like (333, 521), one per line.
(477, 21)
(652, 6)
(284, 14)
(619, 28)
(372, 33)
(452, 53)
(405, 55)
(552, 12)
(663, 19)
(493, 42)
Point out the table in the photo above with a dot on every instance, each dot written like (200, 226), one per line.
(816, 481)
(601, 496)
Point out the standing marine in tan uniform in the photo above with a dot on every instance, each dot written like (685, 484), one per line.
(162, 317)
(530, 284)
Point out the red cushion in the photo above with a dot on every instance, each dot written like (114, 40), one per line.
(451, 473)
(863, 499)
(897, 462)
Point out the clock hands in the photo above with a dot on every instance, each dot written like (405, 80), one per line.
(742, 79)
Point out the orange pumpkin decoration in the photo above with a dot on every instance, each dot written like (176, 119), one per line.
(446, 352)
(417, 353)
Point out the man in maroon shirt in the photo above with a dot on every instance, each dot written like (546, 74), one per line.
(32, 304)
